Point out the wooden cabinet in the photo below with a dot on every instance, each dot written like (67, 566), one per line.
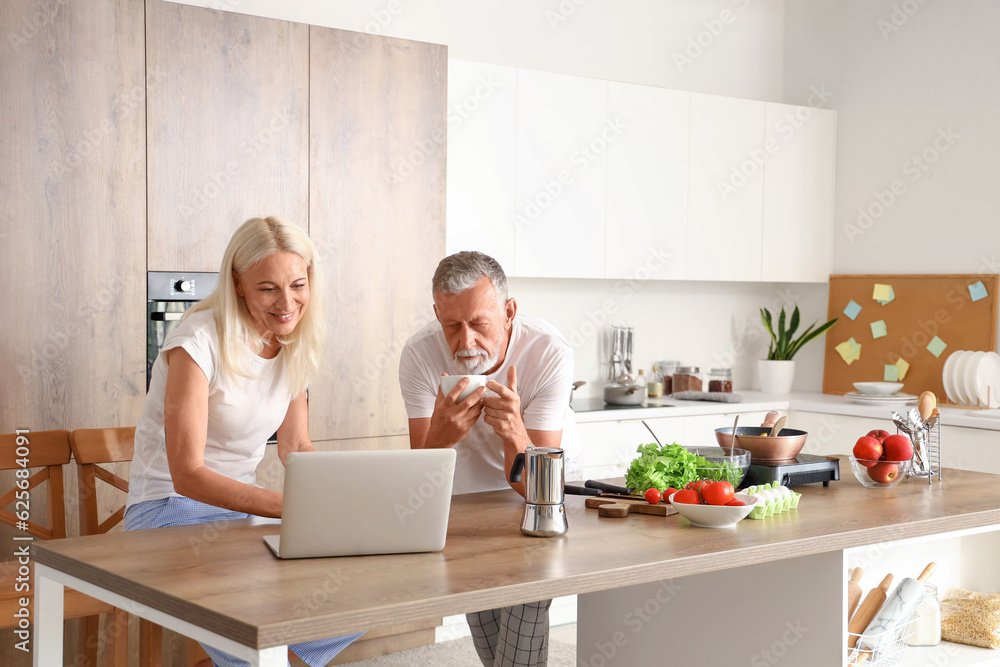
(377, 147)
(647, 209)
(563, 134)
(799, 180)
(482, 109)
(73, 185)
(227, 126)
(726, 188)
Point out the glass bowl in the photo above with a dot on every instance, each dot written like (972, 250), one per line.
(873, 474)
(735, 466)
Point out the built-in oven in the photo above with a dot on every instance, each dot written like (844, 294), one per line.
(168, 295)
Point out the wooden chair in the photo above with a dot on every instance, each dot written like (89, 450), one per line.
(92, 447)
(50, 451)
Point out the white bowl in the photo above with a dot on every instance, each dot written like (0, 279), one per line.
(448, 383)
(716, 516)
(878, 388)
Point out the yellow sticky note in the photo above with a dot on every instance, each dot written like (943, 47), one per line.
(903, 366)
(878, 329)
(849, 351)
(882, 292)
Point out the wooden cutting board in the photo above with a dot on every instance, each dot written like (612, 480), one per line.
(618, 507)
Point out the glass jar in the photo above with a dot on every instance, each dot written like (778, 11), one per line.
(720, 379)
(667, 370)
(927, 619)
(686, 378)
(654, 389)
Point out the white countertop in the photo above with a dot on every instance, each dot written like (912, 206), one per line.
(755, 401)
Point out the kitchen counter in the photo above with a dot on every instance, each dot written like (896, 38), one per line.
(197, 574)
(593, 410)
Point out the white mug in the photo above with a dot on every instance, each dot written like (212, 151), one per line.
(448, 383)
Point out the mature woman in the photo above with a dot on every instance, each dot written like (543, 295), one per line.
(231, 374)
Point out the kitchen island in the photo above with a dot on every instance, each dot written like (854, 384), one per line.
(220, 583)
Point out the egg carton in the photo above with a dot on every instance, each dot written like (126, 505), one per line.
(767, 504)
(889, 651)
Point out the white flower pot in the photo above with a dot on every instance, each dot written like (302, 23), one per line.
(776, 376)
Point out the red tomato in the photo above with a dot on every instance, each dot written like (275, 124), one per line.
(697, 485)
(652, 496)
(688, 496)
(718, 493)
(670, 489)
(735, 503)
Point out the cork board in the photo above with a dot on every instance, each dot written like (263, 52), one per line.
(923, 306)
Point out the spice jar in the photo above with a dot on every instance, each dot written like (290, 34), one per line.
(687, 378)
(927, 619)
(667, 370)
(720, 379)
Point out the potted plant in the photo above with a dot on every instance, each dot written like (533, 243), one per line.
(778, 370)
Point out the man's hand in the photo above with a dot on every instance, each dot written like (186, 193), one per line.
(503, 412)
(452, 420)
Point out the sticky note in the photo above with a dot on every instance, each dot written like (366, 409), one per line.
(882, 292)
(903, 366)
(878, 329)
(936, 346)
(977, 291)
(849, 350)
(891, 373)
(852, 309)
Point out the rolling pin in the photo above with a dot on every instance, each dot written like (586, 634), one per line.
(895, 612)
(866, 612)
(853, 591)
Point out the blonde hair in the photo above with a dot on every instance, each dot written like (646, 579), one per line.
(303, 349)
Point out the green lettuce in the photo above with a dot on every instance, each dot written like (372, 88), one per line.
(673, 466)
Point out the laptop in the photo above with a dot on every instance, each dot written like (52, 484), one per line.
(362, 503)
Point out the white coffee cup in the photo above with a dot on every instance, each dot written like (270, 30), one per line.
(448, 383)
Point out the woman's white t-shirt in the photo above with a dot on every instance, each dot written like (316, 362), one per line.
(242, 412)
(544, 363)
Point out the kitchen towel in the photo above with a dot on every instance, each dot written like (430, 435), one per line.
(720, 396)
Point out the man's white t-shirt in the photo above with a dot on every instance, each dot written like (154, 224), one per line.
(242, 412)
(544, 363)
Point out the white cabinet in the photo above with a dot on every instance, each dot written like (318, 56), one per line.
(799, 177)
(563, 133)
(726, 188)
(646, 225)
(482, 106)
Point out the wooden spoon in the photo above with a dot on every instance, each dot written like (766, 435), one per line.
(780, 424)
(926, 404)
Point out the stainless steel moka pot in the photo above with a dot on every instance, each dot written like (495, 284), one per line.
(544, 507)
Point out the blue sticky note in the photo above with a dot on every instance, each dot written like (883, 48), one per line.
(977, 291)
(936, 346)
(879, 329)
(852, 309)
(891, 373)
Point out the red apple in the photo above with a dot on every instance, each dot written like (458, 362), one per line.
(884, 472)
(867, 450)
(878, 434)
(897, 448)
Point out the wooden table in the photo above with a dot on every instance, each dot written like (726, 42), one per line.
(220, 584)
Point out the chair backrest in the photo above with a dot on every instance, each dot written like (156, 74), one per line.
(92, 446)
(50, 451)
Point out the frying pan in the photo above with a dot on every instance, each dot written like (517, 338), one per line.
(763, 448)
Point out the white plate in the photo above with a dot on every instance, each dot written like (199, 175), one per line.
(878, 388)
(988, 378)
(969, 377)
(958, 377)
(867, 399)
(949, 387)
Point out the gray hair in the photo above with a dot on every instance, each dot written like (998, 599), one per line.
(457, 273)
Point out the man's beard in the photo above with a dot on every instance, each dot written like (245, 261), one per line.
(475, 362)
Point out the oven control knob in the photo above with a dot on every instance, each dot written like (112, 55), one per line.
(183, 286)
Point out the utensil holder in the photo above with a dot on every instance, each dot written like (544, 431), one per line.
(928, 462)
(889, 653)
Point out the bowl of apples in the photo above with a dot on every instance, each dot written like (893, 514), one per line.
(881, 460)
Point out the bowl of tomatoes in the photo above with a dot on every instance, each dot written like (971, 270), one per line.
(712, 504)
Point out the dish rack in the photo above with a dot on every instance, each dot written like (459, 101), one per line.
(888, 654)
(926, 450)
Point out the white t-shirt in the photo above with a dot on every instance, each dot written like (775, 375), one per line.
(242, 413)
(544, 363)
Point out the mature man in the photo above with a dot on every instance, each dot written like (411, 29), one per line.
(529, 368)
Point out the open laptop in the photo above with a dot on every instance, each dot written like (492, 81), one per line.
(361, 503)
